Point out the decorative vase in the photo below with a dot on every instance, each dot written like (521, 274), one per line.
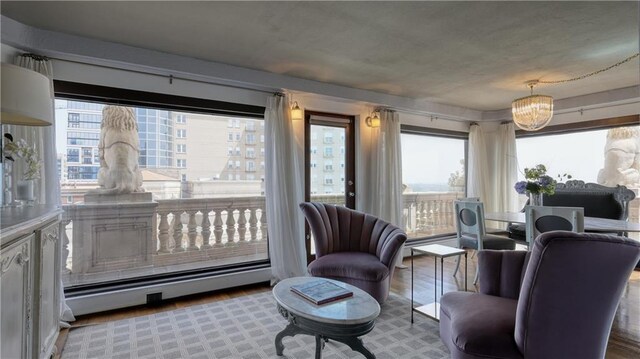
(7, 190)
(24, 191)
(535, 199)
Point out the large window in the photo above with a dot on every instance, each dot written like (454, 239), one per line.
(433, 173)
(208, 211)
(584, 155)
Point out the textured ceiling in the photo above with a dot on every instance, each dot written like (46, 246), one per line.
(471, 54)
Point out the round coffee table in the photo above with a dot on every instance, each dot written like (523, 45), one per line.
(343, 320)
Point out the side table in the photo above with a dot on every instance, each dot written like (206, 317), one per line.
(432, 310)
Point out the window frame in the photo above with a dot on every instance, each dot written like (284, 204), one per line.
(436, 132)
(89, 93)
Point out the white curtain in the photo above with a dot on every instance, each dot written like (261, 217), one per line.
(381, 188)
(477, 168)
(48, 187)
(506, 169)
(284, 192)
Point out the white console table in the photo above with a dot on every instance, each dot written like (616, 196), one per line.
(30, 281)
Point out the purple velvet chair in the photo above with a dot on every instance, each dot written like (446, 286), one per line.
(353, 247)
(557, 301)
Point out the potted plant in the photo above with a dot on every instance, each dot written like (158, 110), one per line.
(537, 183)
(25, 186)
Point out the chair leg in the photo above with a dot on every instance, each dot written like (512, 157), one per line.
(475, 280)
(457, 265)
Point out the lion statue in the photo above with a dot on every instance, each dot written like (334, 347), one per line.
(119, 149)
(621, 158)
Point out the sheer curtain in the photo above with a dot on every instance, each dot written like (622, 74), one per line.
(48, 187)
(284, 192)
(506, 169)
(477, 168)
(381, 193)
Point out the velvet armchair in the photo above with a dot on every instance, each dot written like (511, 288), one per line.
(557, 301)
(353, 247)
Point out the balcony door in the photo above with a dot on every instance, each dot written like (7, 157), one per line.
(329, 162)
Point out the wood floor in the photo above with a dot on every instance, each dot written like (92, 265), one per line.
(624, 341)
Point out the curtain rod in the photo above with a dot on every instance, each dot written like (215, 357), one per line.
(170, 77)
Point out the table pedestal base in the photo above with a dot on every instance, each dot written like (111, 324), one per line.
(343, 333)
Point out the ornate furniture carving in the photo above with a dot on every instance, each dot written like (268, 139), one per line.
(30, 280)
(597, 200)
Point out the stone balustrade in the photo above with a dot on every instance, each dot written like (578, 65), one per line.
(198, 232)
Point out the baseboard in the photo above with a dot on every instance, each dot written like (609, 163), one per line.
(101, 302)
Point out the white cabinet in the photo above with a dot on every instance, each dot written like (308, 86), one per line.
(15, 285)
(29, 282)
(46, 287)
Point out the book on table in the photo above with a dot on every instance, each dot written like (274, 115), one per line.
(321, 291)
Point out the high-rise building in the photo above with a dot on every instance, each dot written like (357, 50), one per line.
(191, 147)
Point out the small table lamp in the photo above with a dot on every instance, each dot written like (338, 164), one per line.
(26, 100)
(26, 97)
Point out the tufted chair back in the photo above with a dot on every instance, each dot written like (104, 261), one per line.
(340, 229)
(570, 293)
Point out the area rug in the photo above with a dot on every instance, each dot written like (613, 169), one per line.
(245, 328)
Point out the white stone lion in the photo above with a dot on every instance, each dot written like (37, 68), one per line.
(621, 158)
(119, 149)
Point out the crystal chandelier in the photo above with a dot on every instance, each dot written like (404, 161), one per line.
(533, 112)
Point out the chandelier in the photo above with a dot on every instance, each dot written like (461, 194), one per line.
(533, 112)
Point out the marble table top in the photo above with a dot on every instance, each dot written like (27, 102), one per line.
(361, 308)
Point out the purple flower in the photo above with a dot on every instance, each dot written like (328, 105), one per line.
(521, 187)
(545, 181)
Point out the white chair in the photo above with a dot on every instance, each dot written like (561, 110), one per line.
(471, 232)
(540, 219)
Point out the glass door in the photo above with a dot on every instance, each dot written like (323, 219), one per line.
(329, 162)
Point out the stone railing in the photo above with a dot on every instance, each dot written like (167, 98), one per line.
(191, 233)
(427, 214)
(234, 219)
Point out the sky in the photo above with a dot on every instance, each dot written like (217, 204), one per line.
(429, 159)
(579, 154)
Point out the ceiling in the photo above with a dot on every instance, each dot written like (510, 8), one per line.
(476, 55)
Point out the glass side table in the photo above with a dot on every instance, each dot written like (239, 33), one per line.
(432, 310)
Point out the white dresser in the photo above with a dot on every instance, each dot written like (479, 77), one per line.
(29, 281)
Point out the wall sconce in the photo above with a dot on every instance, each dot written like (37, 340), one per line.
(373, 122)
(26, 97)
(296, 112)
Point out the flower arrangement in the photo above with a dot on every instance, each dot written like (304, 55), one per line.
(28, 153)
(537, 181)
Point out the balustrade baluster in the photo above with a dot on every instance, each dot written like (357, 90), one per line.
(263, 224)
(206, 230)
(426, 214)
(449, 214)
(217, 227)
(405, 218)
(253, 224)
(163, 233)
(192, 231)
(242, 224)
(231, 227)
(177, 232)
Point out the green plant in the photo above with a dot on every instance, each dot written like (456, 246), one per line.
(537, 181)
(28, 153)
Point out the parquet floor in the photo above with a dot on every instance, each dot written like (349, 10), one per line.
(624, 341)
